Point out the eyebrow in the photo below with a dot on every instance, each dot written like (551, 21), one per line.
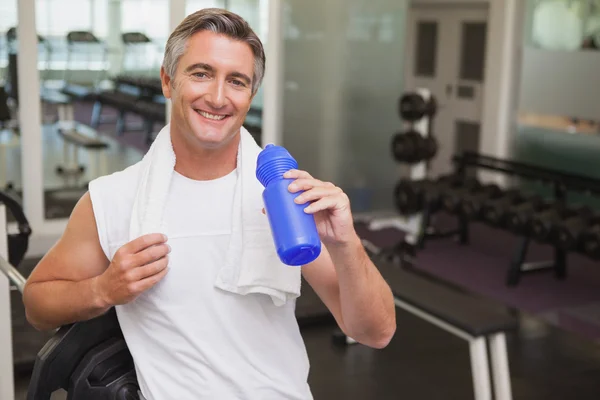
(209, 68)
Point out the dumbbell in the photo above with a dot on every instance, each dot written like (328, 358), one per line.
(519, 217)
(544, 223)
(472, 204)
(409, 195)
(451, 200)
(434, 196)
(406, 146)
(412, 107)
(430, 147)
(494, 211)
(411, 147)
(569, 233)
(590, 240)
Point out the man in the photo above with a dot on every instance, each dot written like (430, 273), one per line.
(192, 340)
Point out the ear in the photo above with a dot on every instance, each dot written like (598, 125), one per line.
(165, 83)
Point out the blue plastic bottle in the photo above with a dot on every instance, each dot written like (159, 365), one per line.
(294, 231)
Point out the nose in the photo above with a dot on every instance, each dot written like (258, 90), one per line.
(216, 95)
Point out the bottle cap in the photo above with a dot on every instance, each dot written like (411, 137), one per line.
(273, 161)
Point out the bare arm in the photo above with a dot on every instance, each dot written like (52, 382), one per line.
(75, 281)
(355, 292)
(61, 288)
(343, 275)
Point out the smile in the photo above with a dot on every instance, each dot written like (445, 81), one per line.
(214, 117)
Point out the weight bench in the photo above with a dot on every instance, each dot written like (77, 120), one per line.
(476, 320)
(75, 136)
(148, 87)
(150, 111)
(62, 102)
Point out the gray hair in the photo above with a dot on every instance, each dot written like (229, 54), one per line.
(218, 21)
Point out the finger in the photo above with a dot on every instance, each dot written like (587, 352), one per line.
(150, 269)
(151, 254)
(144, 242)
(296, 173)
(263, 211)
(147, 283)
(331, 202)
(317, 193)
(305, 184)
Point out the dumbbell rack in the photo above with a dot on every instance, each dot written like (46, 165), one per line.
(417, 226)
(561, 182)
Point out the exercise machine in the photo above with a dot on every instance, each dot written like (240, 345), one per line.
(81, 47)
(44, 50)
(12, 247)
(139, 55)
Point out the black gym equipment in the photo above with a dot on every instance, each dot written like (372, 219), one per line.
(412, 107)
(140, 54)
(412, 196)
(568, 233)
(544, 224)
(131, 94)
(90, 360)
(519, 218)
(411, 147)
(434, 194)
(12, 84)
(5, 112)
(86, 44)
(590, 240)
(495, 211)
(408, 197)
(452, 199)
(472, 204)
(558, 224)
(18, 243)
(149, 110)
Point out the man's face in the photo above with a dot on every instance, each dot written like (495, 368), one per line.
(212, 89)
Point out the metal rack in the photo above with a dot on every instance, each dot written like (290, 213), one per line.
(561, 182)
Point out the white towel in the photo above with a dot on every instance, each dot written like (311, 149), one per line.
(252, 264)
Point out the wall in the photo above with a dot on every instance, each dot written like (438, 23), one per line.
(560, 83)
(343, 77)
(503, 78)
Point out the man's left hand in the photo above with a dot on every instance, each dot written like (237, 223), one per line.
(328, 203)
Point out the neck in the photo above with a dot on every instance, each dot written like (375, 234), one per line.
(201, 163)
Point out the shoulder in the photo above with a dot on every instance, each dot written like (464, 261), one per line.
(112, 197)
(116, 187)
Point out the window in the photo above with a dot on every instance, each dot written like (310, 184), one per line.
(192, 6)
(147, 16)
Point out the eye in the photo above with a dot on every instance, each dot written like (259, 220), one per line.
(237, 82)
(200, 74)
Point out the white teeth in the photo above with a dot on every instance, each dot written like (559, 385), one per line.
(211, 116)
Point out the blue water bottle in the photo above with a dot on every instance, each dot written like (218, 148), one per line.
(294, 231)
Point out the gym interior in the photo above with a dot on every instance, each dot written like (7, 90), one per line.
(464, 133)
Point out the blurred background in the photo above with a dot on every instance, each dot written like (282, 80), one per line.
(512, 79)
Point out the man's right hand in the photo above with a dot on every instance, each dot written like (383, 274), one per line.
(135, 268)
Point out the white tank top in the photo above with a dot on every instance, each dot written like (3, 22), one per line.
(188, 339)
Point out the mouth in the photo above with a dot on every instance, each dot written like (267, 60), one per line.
(211, 116)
